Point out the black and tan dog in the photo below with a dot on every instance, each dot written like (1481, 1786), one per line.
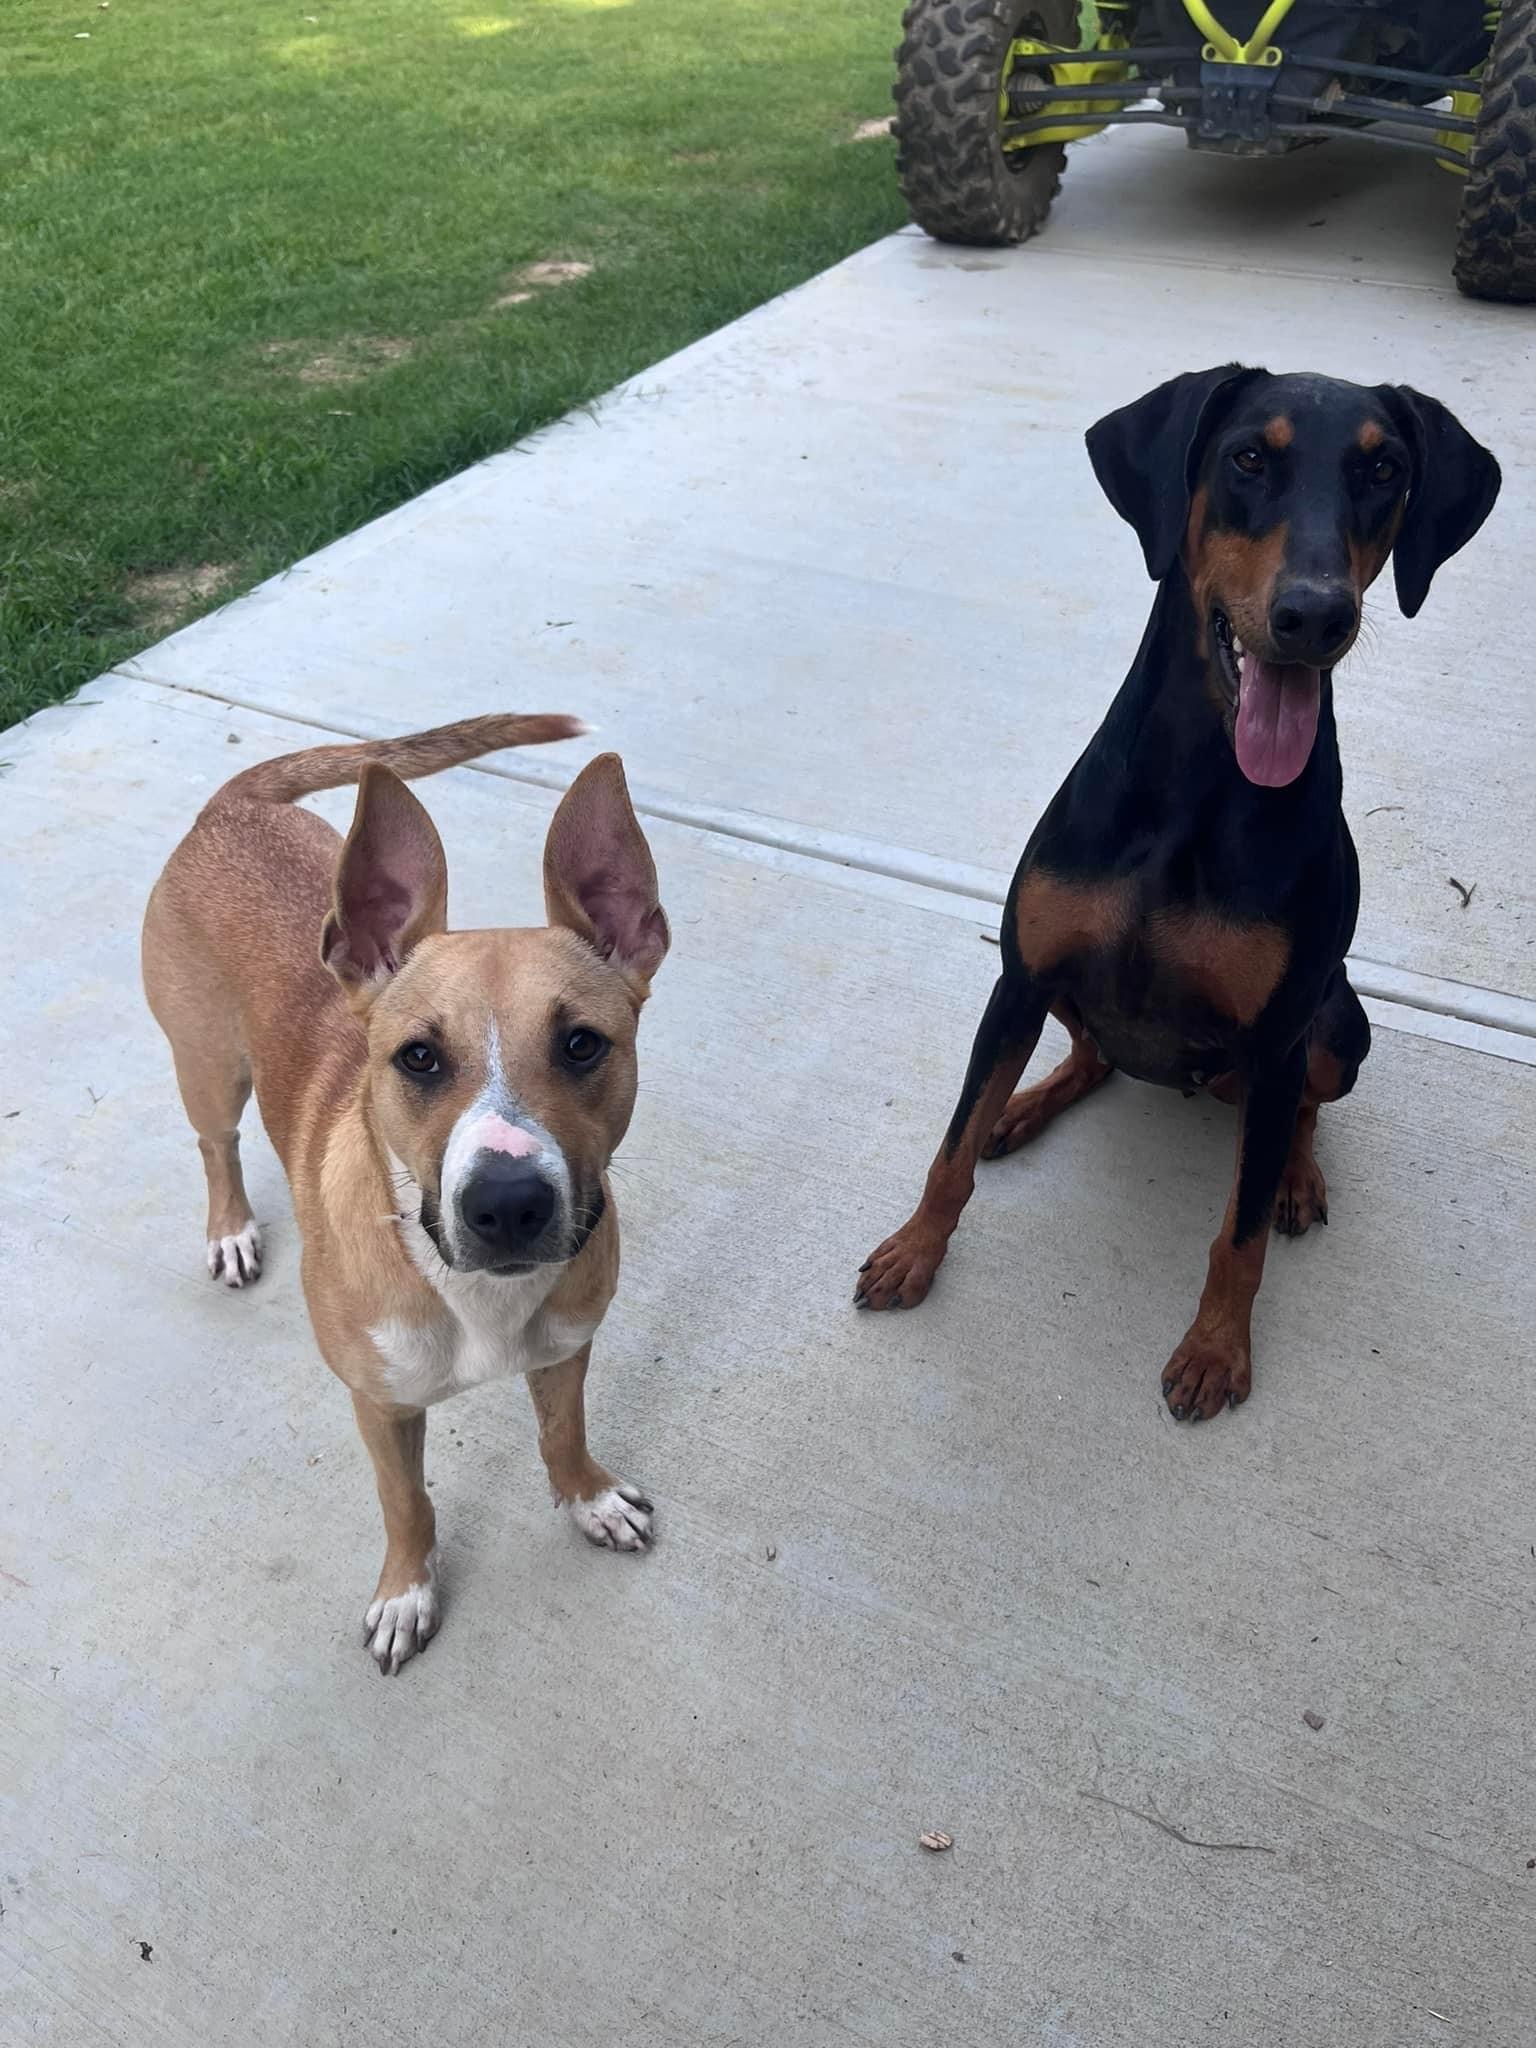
(1185, 904)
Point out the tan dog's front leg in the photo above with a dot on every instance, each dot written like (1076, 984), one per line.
(403, 1616)
(608, 1512)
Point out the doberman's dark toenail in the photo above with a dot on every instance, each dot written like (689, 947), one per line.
(860, 1299)
(866, 1265)
(895, 1301)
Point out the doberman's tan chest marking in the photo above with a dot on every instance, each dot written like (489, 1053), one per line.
(1234, 968)
(1055, 918)
(1228, 967)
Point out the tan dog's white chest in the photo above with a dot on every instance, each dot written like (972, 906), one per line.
(486, 1327)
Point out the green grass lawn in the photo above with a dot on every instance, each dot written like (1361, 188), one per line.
(251, 258)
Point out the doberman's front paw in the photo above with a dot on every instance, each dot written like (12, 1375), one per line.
(899, 1273)
(1302, 1200)
(1211, 1370)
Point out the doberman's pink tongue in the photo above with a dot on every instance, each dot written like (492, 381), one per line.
(1276, 719)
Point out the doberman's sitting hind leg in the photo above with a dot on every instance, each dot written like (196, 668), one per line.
(1028, 1112)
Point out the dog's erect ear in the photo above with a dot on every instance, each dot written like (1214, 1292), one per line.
(1145, 456)
(599, 878)
(1455, 481)
(391, 885)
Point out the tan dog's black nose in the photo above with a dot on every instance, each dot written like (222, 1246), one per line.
(507, 1207)
(1310, 622)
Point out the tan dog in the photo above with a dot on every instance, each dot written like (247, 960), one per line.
(445, 1103)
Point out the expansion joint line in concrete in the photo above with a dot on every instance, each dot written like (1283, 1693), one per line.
(960, 888)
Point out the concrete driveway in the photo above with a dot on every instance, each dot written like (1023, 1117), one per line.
(839, 585)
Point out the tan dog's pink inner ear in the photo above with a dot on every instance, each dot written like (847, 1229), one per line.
(599, 878)
(391, 884)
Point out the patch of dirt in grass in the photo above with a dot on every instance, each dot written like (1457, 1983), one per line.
(536, 277)
(695, 156)
(871, 131)
(346, 361)
(160, 600)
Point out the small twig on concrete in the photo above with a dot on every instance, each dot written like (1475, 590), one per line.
(1462, 890)
(1371, 813)
(1156, 1820)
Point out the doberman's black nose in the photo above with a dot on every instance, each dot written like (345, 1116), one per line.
(507, 1207)
(1309, 622)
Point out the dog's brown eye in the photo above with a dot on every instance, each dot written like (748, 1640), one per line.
(1385, 470)
(417, 1058)
(582, 1048)
(1249, 461)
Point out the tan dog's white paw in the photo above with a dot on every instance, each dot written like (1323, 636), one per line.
(236, 1260)
(618, 1518)
(395, 1629)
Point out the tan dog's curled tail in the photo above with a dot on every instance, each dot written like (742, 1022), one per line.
(419, 753)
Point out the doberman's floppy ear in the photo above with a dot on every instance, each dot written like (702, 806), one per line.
(599, 878)
(1454, 484)
(391, 885)
(1145, 456)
